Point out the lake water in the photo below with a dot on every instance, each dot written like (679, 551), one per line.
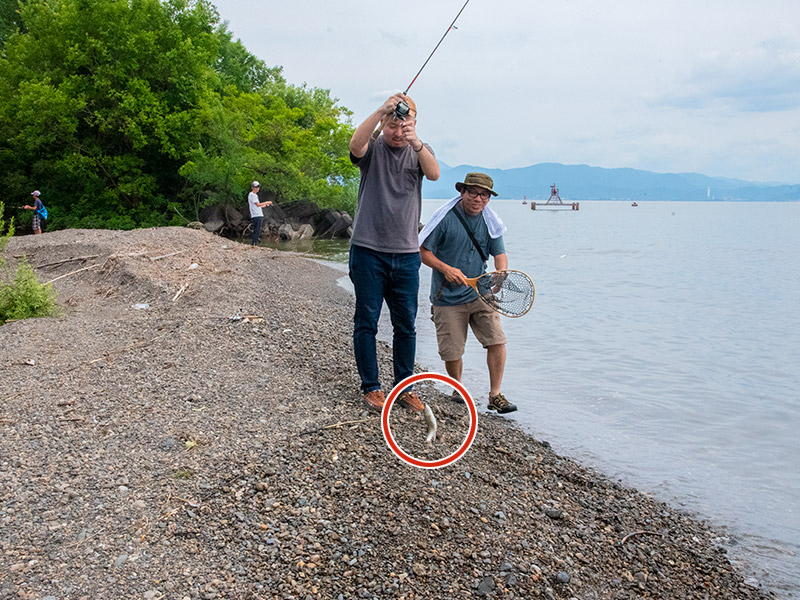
(663, 348)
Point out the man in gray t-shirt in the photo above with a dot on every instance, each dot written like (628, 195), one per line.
(384, 250)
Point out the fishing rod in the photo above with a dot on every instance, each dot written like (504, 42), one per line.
(401, 110)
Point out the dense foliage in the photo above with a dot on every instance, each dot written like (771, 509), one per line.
(128, 113)
(21, 294)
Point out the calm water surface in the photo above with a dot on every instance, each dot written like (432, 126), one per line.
(664, 349)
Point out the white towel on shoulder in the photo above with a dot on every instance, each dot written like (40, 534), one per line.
(493, 222)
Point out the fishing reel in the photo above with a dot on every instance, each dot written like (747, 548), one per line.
(401, 111)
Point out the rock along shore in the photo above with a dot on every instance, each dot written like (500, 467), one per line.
(187, 431)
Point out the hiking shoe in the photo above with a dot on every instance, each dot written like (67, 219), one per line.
(411, 400)
(456, 397)
(374, 400)
(500, 404)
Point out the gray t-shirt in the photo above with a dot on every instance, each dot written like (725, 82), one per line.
(450, 243)
(389, 198)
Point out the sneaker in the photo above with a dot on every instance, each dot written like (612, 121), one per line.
(456, 397)
(500, 404)
(374, 400)
(411, 400)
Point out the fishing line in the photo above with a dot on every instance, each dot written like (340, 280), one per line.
(401, 110)
(437, 46)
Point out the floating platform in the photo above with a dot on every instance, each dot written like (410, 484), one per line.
(554, 202)
(546, 206)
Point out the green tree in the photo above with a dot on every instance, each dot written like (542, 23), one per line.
(9, 18)
(120, 110)
(98, 99)
(293, 139)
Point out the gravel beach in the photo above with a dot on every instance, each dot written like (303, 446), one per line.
(190, 427)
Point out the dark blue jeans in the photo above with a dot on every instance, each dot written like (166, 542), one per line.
(379, 276)
(257, 223)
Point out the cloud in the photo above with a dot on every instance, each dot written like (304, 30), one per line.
(763, 78)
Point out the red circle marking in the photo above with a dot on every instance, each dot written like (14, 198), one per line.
(447, 460)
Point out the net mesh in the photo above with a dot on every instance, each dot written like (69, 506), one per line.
(508, 292)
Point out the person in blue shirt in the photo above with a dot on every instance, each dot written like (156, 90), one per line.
(38, 212)
(446, 247)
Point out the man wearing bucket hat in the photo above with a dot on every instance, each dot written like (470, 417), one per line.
(384, 251)
(456, 243)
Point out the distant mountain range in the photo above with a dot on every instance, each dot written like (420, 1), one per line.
(582, 182)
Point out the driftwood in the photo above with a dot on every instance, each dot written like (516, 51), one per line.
(73, 272)
(180, 291)
(66, 260)
(334, 425)
(166, 255)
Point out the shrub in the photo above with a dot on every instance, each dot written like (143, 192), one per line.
(22, 296)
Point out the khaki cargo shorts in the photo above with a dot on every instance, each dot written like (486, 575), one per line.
(451, 327)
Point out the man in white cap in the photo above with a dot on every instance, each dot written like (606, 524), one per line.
(256, 214)
(39, 212)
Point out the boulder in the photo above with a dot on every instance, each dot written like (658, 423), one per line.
(213, 212)
(302, 212)
(338, 224)
(325, 219)
(306, 232)
(234, 218)
(275, 213)
(286, 232)
(214, 225)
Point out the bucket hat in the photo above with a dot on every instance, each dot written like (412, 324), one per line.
(481, 180)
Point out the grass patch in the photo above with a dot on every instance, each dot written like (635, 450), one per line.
(22, 296)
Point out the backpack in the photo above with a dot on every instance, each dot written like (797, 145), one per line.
(42, 212)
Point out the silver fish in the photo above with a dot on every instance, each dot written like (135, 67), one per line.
(430, 420)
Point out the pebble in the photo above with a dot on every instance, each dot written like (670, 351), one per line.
(486, 586)
(277, 516)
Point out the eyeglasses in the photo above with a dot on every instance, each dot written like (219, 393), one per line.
(475, 192)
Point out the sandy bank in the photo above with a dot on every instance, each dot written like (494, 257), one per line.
(178, 452)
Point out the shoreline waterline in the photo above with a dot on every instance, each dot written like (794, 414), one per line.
(197, 447)
(567, 394)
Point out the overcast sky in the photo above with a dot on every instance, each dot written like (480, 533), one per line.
(705, 86)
